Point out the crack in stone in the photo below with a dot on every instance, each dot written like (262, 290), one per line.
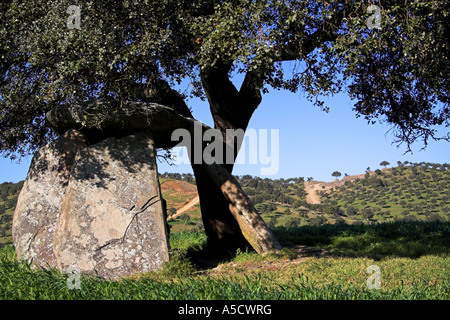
(147, 205)
(31, 240)
(108, 243)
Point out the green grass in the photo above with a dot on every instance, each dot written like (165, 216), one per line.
(403, 239)
(18, 281)
(413, 257)
(420, 273)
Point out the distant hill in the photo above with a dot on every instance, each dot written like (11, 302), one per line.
(409, 191)
(177, 193)
(182, 204)
(417, 191)
(313, 188)
(9, 193)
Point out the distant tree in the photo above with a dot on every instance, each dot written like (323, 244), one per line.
(351, 211)
(328, 209)
(367, 213)
(434, 217)
(384, 164)
(336, 174)
(381, 202)
(271, 207)
(318, 220)
(11, 203)
(303, 214)
(6, 219)
(185, 218)
(273, 221)
(297, 203)
(293, 223)
(188, 177)
(171, 211)
(376, 182)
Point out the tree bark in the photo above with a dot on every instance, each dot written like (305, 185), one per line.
(252, 226)
(231, 109)
(224, 235)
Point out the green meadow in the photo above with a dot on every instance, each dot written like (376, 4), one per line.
(413, 260)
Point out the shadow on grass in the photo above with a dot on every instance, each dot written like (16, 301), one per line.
(376, 241)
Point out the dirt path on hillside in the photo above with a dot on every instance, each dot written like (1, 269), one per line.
(312, 186)
(311, 195)
(185, 208)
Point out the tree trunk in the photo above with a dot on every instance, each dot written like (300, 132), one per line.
(250, 222)
(224, 236)
(231, 109)
(233, 222)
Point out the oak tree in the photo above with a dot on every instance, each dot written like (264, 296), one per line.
(384, 163)
(336, 174)
(390, 57)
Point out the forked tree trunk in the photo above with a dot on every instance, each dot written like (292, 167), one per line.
(229, 218)
(224, 235)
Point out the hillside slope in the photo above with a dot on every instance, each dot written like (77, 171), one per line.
(417, 191)
(408, 192)
(183, 208)
(313, 188)
(9, 193)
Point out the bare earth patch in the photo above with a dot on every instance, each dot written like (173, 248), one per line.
(302, 253)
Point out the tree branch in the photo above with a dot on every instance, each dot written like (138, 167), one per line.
(254, 80)
(228, 108)
(160, 92)
(326, 32)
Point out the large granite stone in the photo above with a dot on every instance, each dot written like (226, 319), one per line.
(37, 211)
(112, 218)
(94, 209)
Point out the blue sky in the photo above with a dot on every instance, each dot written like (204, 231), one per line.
(312, 143)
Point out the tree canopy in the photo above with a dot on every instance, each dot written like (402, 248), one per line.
(384, 163)
(336, 174)
(396, 73)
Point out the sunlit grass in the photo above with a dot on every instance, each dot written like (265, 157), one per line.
(404, 273)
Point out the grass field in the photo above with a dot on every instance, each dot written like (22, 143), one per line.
(391, 229)
(413, 260)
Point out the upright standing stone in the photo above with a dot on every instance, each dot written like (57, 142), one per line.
(37, 210)
(94, 209)
(111, 221)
